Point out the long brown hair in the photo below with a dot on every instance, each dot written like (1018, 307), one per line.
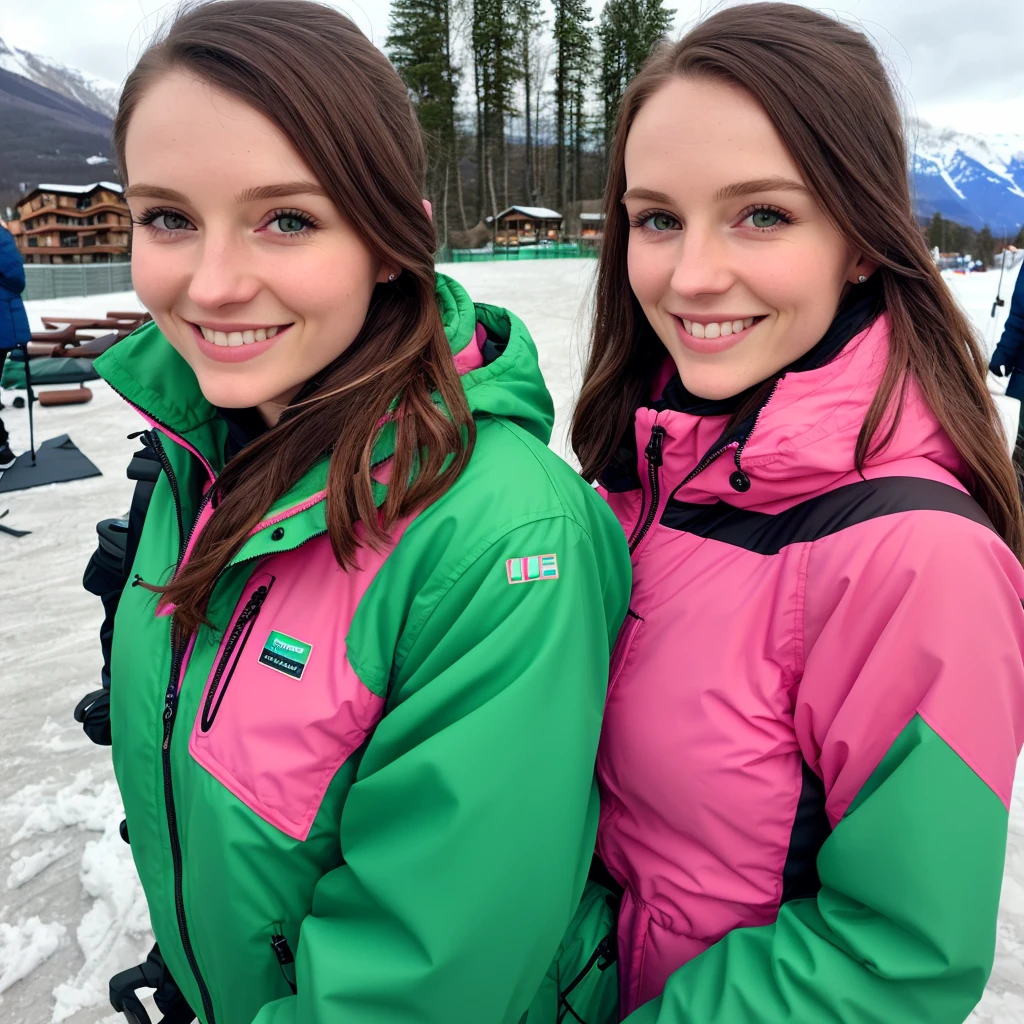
(828, 96)
(343, 107)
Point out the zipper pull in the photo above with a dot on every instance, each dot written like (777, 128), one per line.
(168, 720)
(282, 950)
(653, 451)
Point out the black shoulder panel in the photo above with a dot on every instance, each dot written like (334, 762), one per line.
(819, 517)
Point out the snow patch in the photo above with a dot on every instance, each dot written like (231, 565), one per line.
(93, 160)
(83, 803)
(28, 866)
(24, 946)
(114, 934)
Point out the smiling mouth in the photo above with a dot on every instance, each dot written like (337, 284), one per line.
(718, 330)
(234, 339)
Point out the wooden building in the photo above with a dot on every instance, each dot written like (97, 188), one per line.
(73, 224)
(526, 225)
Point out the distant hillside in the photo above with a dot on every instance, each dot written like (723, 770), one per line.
(90, 90)
(49, 137)
(970, 179)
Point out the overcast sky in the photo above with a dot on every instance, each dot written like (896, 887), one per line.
(960, 62)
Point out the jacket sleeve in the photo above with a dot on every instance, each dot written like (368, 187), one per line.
(469, 831)
(910, 709)
(12, 267)
(1008, 351)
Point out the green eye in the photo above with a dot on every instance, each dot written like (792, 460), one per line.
(765, 218)
(661, 222)
(289, 224)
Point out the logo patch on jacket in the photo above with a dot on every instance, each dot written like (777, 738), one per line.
(532, 568)
(285, 654)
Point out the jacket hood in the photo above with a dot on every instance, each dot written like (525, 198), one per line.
(804, 437)
(504, 381)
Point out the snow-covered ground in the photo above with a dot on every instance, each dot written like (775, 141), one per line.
(71, 910)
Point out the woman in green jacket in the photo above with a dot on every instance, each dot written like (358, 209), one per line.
(357, 681)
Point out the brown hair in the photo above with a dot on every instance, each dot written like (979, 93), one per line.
(343, 107)
(828, 96)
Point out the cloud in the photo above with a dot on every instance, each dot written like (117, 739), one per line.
(953, 58)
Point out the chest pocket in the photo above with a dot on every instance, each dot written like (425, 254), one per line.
(282, 708)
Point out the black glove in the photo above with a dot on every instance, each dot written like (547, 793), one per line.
(93, 711)
(152, 974)
(998, 369)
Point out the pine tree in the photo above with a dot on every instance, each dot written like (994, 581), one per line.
(628, 32)
(496, 73)
(1019, 240)
(528, 21)
(420, 47)
(572, 66)
(986, 247)
(936, 232)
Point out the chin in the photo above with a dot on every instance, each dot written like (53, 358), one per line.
(713, 386)
(226, 393)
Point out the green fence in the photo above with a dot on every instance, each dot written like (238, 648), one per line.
(500, 254)
(63, 280)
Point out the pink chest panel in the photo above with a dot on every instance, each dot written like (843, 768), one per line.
(699, 764)
(283, 709)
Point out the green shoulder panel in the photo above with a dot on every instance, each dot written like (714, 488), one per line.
(903, 928)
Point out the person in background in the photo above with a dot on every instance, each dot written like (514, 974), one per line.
(808, 752)
(14, 329)
(1008, 357)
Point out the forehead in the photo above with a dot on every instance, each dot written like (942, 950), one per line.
(696, 135)
(186, 133)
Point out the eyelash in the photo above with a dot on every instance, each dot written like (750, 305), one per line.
(641, 219)
(148, 216)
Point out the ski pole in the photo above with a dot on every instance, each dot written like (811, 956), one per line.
(1000, 301)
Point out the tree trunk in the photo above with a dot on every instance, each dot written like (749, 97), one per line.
(528, 156)
(458, 186)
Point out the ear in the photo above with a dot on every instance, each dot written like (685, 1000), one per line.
(388, 273)
(863, 267)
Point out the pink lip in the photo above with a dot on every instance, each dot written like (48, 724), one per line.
(710, 346)
(236, 353)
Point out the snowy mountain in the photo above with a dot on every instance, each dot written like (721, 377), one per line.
(968, 178)
(90, 90)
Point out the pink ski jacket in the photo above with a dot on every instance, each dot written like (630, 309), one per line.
(815, 710)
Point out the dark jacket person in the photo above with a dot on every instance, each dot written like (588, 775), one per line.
(14, 329)
(1008, 357)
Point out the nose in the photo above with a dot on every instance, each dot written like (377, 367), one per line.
(223, 274)
(703, 265)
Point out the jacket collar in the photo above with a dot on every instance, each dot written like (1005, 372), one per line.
(802, 437)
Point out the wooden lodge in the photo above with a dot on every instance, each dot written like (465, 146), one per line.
(526, 225)
(73, 224)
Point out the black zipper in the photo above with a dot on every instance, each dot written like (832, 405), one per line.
(653, 455)
(283, 952)
(603, 952)
(239, 634)
(152, 440)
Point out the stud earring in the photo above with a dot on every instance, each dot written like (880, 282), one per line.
(861, 279)
(391, 278)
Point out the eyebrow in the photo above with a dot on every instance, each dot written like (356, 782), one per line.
(734, 191)
(250, 195)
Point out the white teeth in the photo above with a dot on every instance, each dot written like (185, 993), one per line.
(236, 338)
(724, 329)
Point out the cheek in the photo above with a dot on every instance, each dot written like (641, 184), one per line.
(649, 269)
(157, 275)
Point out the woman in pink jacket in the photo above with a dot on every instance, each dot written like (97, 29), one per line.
(817, 702)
